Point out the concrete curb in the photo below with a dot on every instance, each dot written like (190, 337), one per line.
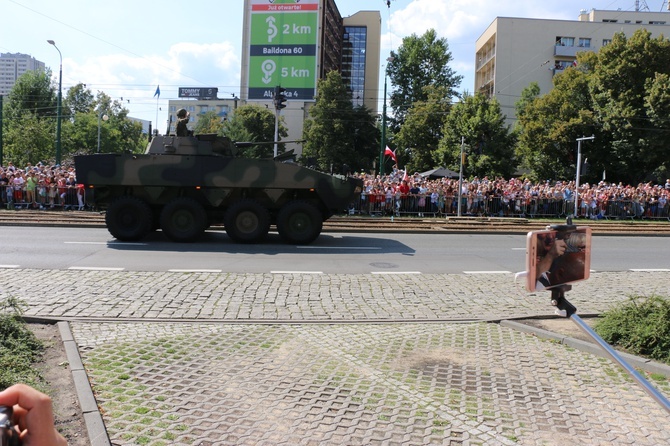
(589, 347)
(95, 426)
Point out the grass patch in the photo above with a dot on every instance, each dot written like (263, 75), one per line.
(641, 326)
(19, 348)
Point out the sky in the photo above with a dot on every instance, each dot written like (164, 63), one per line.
(127, 48)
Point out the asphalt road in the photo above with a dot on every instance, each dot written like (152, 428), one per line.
(332, 253)
(244, 353)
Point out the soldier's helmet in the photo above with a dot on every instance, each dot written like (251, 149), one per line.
(182, 113)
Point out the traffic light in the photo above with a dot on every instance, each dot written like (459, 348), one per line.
(280, 97)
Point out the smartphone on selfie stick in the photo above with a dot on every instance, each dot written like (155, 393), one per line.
(559, 256)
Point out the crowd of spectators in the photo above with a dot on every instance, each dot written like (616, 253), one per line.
(398, 194)
(40, 187)
(55, 187)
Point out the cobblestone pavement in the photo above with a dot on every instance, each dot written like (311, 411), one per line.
(280, 359)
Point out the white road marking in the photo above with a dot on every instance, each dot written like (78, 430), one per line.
(94, 268)
(487, 272)
(395, 272)
(9, 266)
(650, 270)
(337, 247)
(296, 272)
(195, 270)
(106, 243)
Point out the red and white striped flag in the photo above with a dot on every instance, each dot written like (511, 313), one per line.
(391, 153)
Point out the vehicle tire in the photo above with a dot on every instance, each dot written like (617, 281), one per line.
(183, 220)
(128, 219)
(247, 221)
(299, 222)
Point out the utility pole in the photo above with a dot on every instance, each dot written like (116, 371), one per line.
(460, 175)
(383, 143)
(1, 131)
(60, 102)
(579, 168)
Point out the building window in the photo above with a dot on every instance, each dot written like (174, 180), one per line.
(565, 41)
(609, 20)
(585, 42)
(607, 42)
(353, 62)
(560, 65)
(656, 22)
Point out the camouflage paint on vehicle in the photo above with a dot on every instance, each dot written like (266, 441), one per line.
(205, 170)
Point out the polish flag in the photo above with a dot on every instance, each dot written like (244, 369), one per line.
(391, 153)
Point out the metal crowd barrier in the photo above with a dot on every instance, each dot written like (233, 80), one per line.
(527, 207)
(62, 198)
(73, 197)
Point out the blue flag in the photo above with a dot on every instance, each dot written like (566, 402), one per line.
(158, 91)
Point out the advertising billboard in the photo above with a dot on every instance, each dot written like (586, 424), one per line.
(283, 41)
(198, 93)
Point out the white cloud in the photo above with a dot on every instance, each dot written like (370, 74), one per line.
(135, 78)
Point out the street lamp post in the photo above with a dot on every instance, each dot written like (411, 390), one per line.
(104, 117)
(60, 101)
(460, 177)
(579, 168)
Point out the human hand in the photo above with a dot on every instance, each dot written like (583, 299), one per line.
(33, 415)
(558, 248)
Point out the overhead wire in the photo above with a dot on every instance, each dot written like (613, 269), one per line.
(109, 43)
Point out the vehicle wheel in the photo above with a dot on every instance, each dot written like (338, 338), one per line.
(128, 219)
(183, 220)
(247, 222)
(299, 222)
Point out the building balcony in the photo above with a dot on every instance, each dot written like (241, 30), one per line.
(568, 51)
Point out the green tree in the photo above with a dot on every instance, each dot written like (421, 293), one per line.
(548, 126)
(254, 123)
(419, 62)
(421, 133)
(117, 133)
(337, 135)
(29, 119)
(627, 88)
(32, 93)
(209, 122)
(621, 96)
(480, 122)
(78, 99)
(29, 139)
(528, 96)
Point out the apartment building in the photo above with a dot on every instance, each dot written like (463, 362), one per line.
(12, 66)
(513, 52)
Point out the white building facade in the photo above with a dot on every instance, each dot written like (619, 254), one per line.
(12, 66)
(513, 52)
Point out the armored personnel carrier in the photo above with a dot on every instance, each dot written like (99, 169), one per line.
(184, 184)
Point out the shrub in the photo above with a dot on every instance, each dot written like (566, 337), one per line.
(641, 326)
(19, 348)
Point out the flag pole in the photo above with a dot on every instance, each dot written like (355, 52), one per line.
(157, 95)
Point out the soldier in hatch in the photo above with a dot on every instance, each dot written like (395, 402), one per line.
(182, 119)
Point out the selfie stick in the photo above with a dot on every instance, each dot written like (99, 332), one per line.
(568, 310)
